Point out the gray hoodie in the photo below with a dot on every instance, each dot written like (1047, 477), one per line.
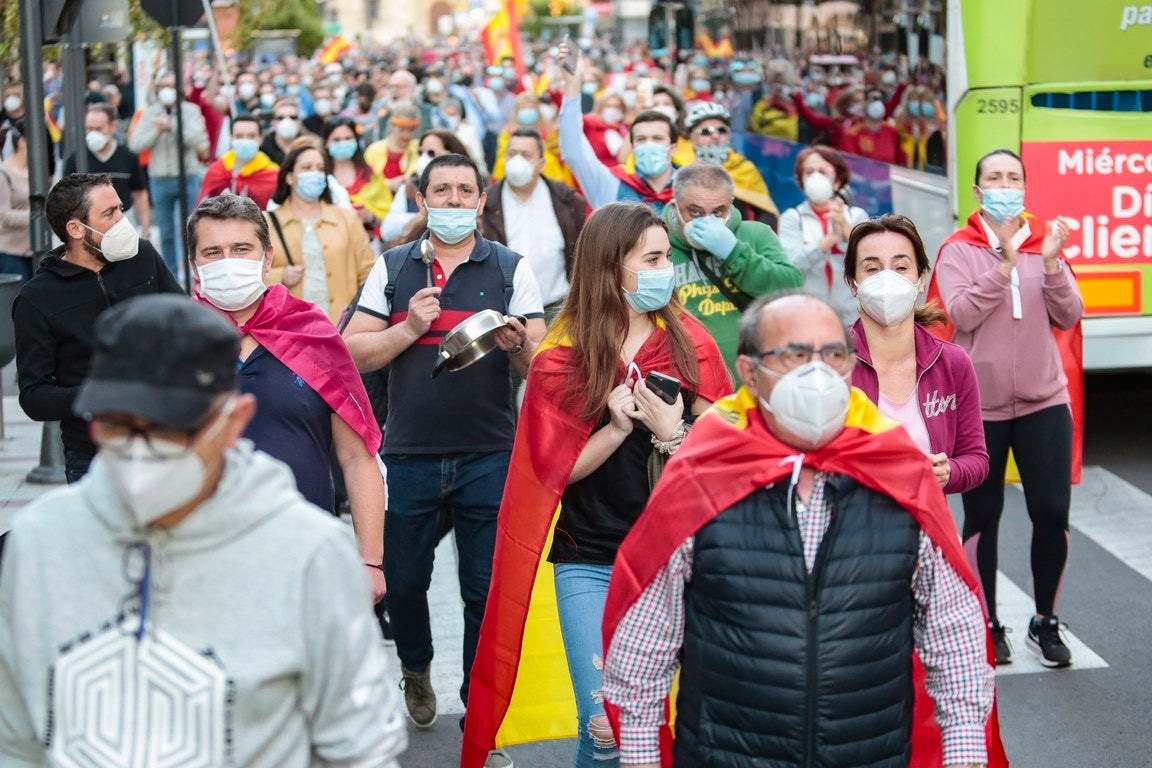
(260, 648)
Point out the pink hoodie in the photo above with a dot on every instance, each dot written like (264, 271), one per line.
(1016, 360)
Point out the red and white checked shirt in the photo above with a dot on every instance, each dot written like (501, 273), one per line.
(948, 631)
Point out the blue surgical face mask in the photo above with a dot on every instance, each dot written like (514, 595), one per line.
(311, 184)
(653, 289)
(451, 225)
(701, 86)
(1003, 204)
(245, 149)
(745, 78)
(343, 149)
(528, 116)
(496, 84)
(651, 159)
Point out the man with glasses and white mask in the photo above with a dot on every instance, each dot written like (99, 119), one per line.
(801, 544)
(103, 261)
(449, 438)
(284, 129)
(709, 128)
(184, 599)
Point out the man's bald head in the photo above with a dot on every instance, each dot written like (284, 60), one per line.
(767, 314)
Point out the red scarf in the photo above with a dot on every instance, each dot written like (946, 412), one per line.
(549, 439)
(731, 453)
(302, 337)
(1070, 342)
(641, 187)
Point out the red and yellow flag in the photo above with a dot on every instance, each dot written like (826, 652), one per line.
(716, 49)
(335, 48)
(501, 37)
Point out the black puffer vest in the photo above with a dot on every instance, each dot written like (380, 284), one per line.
(782, 668)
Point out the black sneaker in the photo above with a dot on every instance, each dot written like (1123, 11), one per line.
(1000, 641)
(1044, 638)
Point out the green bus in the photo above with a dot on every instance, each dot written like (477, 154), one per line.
(1068, 85)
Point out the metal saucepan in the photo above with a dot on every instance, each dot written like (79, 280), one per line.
(470, 340)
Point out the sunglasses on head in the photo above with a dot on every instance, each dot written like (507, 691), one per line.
(720, 130)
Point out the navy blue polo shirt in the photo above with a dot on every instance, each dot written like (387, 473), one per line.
(292, 423)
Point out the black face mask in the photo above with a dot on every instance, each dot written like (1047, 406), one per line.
(466, 81)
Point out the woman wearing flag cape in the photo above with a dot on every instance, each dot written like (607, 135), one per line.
(588, 432)
(1016, 310)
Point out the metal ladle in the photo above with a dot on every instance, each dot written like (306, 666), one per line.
(428, 255)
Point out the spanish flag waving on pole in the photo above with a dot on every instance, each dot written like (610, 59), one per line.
(335, 48)
(1070, 343)
(501, 37)
(520, 689)
(730, 454)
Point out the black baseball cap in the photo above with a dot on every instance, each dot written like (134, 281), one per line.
(162, 358)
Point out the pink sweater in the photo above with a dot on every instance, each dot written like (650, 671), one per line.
(1017, 363)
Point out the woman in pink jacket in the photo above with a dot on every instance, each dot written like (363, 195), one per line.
(1005, 286)
(926, 384)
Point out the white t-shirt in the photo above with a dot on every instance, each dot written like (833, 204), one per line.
(525, 291)
(534, 232)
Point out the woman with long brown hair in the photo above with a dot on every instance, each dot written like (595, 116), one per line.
(591, 421)
(926, 384)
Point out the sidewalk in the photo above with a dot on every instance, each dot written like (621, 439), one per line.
(19, 455)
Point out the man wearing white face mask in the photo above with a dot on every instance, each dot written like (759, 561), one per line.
(102, 262)
(156, 131)
(106, 155)
(449, 439)
(535, 216)
(832, 523)
(285, 129)
(185, 563)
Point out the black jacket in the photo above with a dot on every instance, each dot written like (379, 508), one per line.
(571, 210)
(55, 317)
(785, 668)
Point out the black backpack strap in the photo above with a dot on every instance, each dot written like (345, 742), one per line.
(508, 261)
(280, 232)
(741, 303)
(394, 261)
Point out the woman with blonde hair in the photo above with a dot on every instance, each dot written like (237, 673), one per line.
(321, 252)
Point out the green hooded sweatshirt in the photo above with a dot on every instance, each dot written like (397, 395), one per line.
(756, 267)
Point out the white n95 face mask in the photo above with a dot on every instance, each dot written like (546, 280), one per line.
(810, 401)
(818, 188)
(886, 297)
(121, 241)
(232, 284)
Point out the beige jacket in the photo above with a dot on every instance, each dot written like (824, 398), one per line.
(347, 253)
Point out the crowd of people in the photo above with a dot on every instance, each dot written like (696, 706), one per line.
(728, 457)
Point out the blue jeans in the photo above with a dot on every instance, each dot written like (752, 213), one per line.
(166, 213)
(422, 489)
(580, 593)
(11, 264)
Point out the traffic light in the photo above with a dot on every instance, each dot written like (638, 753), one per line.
(658, 31)
(685, 29)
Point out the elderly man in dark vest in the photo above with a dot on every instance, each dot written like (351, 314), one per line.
(798, 563)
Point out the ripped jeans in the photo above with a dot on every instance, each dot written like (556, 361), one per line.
(580, 593)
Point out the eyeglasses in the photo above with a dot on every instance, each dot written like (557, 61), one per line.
(162, 444)
(719, 130)
(791, 356)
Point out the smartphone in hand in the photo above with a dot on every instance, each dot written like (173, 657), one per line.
(665, 387)
(569, 61)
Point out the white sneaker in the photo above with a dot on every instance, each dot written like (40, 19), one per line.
(498, 758)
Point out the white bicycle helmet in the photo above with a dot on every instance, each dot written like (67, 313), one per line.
(705, 110)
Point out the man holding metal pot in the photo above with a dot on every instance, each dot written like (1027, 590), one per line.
(448, 439)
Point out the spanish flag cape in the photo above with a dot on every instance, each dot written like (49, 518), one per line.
(257, 177)
(302, 337)
(637, 184)
(519, 688)
(750, 186)
(1070, 342)
(728, 455)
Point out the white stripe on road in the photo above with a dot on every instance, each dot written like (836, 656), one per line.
(1015, 608)
(1115, 515)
